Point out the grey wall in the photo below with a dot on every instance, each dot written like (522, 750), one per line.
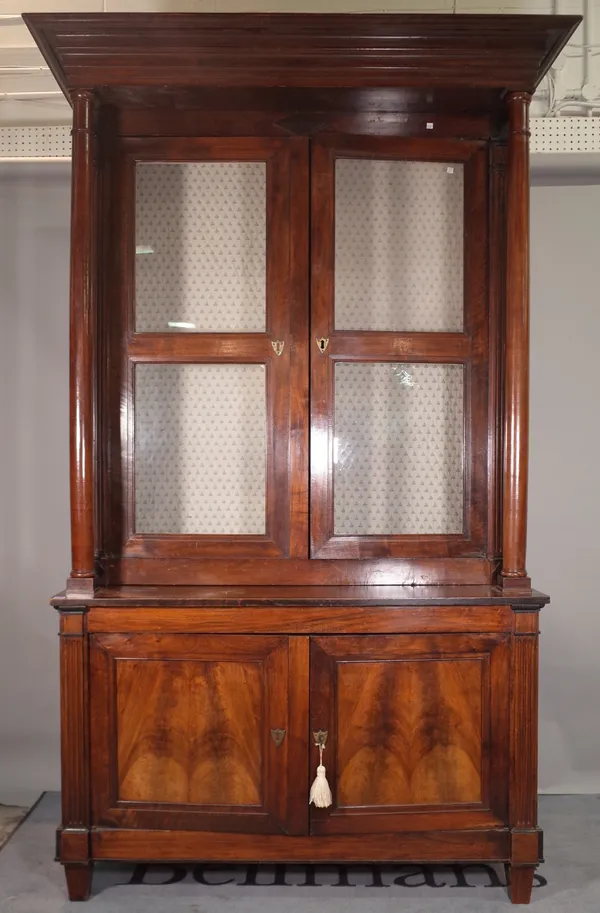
(564, 517)
(564, 540)
(34, 531)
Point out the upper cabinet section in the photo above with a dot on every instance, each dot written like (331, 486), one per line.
(299, 294)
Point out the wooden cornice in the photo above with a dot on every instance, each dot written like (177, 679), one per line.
(299, 50)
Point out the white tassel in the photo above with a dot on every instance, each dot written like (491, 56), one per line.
(320, 793)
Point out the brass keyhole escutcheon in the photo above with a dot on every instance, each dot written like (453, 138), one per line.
(278, 735)
(277, 346)
(320, 737)
(322, 343)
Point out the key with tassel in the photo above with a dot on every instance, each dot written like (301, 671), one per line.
(320, 793)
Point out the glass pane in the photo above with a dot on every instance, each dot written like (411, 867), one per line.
(398, 449)
(200, 449)
(200, 237)
(398, 246)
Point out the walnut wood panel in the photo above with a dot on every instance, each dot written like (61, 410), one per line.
(523, 722)
(294, 571)
(160, 546)
(297, 736)
(302, 619)
(74, 727)
(407, 148)
(496, 298)
(299, 50)
(319, 596)
(417, 731)
(178, 348)
(299, 417)
(181, 734)
(294, 109)
(448, 348)
(469, 348)
(323, 115)
(202, 149)
(182, 846)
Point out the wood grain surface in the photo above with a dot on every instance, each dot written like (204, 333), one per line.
(410, 732)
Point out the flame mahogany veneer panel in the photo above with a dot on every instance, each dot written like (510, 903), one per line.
(410, 732)
(189, 731)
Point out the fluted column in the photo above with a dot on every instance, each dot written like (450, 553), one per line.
(82, 311)
(516, 391)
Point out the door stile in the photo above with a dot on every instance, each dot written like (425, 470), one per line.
(299, 346)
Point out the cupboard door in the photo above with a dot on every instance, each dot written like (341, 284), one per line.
(417, 731)
(205, 387)
(399, 349)
(195, 732)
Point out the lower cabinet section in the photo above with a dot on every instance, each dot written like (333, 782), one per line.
(216, 732)
(196, 744)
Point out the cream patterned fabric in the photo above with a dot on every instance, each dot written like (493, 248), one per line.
(201, 246)
(200, 449)
(398, 449)
(398, 245)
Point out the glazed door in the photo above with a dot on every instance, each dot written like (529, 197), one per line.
(399, 350)
(195, 732)
(205, 368)
(417, 731)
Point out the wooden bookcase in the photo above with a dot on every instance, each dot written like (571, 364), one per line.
(299, 419)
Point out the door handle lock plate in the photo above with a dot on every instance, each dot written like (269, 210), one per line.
(320, 737)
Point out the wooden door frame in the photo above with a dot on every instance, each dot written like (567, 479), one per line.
(122, 348)
(126, 559)
(468, 348)
(493, 650)
(284, 774)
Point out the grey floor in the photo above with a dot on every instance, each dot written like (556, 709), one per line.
(10, 816)
(569, 881)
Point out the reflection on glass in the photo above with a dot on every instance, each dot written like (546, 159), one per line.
(200, 449)
(398, 245)
(398, 449)
(200, 235)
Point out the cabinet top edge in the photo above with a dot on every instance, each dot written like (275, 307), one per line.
(294, 596)
(506, 52)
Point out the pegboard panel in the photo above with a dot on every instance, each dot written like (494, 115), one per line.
(565, 134)
(548, 134)
(35, 143)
